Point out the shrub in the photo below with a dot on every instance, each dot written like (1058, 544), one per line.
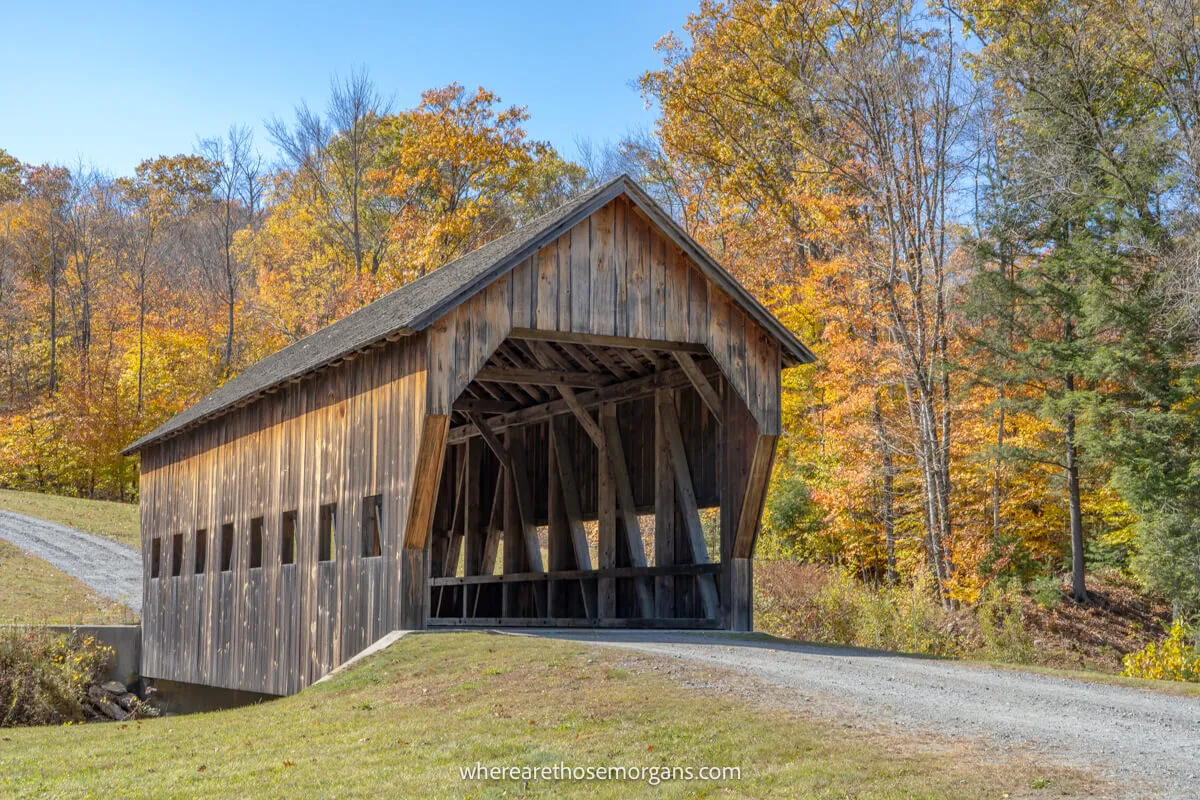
(44, 676)
(1002, 628)
(822, 605)
(1173, 659)
(1046, 591)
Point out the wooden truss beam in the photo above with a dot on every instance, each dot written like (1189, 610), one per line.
(756, 494)
(700, 381)
(625, 504)
(428, 474)
(688, 507)
(512, 457)
(570, 493)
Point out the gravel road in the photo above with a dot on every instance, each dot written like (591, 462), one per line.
(110, 569)
(1133, 736)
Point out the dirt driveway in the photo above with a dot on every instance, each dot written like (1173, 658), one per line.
(108, 568)
(1133, 736)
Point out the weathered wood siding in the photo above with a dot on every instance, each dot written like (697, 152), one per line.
(613, 274)
(339, 437)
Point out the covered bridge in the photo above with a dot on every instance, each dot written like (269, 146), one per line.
(534, 434)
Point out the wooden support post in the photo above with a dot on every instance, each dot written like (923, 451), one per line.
(628, 510)
(473, 519)
(606, 512)
(741, 594)
(664, 513)
(454, 533)
(413, 597)
(686, 497)
(756, 494)
(491, 539)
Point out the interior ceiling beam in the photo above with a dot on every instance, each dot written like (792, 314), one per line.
(468, 405)
(607, 341)
(613, 392)
(540, 377)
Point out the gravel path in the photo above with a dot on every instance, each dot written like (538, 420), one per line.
(108, 568)
(1130, 734)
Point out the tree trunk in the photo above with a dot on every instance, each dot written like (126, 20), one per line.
(888, 511)
(141, 338)
(53, 318)
(1078, 587)
(996, 471)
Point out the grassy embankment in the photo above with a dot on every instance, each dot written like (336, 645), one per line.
(32, 591)
(402, 723)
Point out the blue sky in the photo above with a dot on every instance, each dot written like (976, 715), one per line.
(113, 83)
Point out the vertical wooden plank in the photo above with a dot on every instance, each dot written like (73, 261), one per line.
(639, 290)
(581, 284)
(547, 287)
(565, 288)
(658, 286)
(620, 244)
(524, 294)
(676, 290)
(603, 277)
(697, 306)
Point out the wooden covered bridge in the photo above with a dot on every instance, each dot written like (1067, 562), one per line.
(534, 434)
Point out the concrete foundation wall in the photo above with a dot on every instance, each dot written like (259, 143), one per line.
(176, 697)
(125, 640)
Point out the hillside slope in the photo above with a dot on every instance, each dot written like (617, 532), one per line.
(33, 591)
(404, 722)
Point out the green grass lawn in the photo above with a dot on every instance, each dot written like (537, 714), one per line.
(32, 591)
(117, 521)
(402, 723)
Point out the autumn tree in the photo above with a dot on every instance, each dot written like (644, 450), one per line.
(459, 171)
(843, 125)
(329, 156)
(1086, 133)
(161, 189)
(236, 171)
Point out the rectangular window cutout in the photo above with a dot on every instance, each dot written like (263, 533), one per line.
(256, 531)
(227, 547)
(326, 531)
(155, 556)
(287, 538)
(372, 526)
(176, 554)
(201, 551)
